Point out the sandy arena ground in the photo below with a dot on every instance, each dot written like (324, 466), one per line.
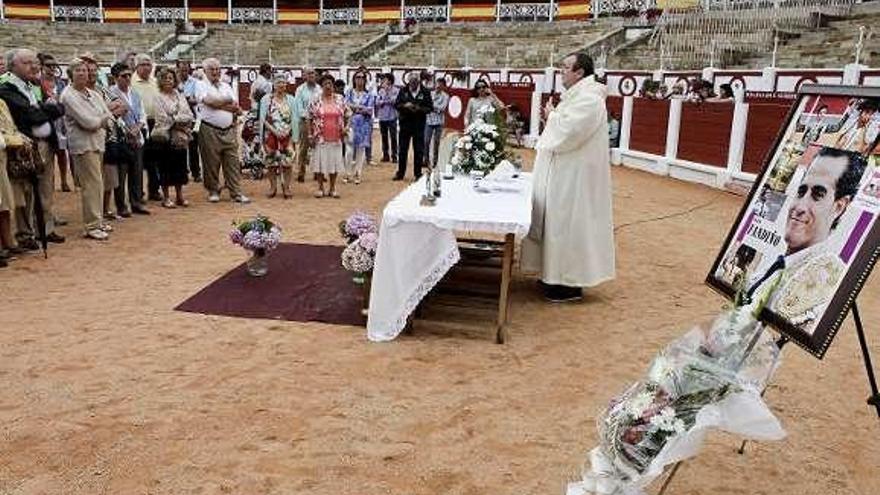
(107, 390)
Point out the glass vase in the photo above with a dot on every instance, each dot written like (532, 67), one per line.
(258, 263)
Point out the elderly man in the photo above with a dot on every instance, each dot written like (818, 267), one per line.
(305, 93)
(218, 141)
(571, 242)
(810, 270)
(34, 118)
(144, 84)
(129, 194)
(413, 105)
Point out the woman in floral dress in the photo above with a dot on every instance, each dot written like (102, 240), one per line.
(277, 125)
(361, 102)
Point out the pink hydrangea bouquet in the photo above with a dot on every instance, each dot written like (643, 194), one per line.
(356, 225)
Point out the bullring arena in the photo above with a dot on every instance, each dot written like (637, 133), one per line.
(108, 389)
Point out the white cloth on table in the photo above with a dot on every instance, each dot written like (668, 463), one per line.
(417, 244)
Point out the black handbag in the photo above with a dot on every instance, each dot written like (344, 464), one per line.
(117, 150)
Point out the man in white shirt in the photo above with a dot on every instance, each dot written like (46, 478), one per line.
(144, 84)
(218, 140)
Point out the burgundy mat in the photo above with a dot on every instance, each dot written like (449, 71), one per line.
(304, 283)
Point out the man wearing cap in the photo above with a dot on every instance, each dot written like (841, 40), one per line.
(144, 84)
(218, 139)
(33, 117)
(129, 194)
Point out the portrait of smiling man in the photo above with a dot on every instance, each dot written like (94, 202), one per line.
(811, 270)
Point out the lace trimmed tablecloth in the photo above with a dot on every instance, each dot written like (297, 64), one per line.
(417, 244)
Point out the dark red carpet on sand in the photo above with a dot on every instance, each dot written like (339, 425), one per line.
(304, 283)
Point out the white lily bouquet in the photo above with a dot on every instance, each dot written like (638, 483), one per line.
(709, 378)
(482, 146)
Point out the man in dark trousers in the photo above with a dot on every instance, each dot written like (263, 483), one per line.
(413, 104)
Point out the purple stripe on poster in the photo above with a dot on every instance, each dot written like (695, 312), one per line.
(855, 236)
(745, 227)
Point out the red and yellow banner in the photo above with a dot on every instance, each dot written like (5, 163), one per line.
(473, 12)
(13, 11)
(298, 16)
(574, 10)
(207, 14)
(122, 14)
(381, 14)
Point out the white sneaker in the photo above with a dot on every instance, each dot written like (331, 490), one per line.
(241, 198)
(97, 234)
(106, 227)
(213, 198)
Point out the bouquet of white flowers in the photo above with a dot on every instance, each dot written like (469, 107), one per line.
(709, 378)
(481, 147)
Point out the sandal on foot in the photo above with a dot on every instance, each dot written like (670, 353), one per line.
(319, 194)
(182, 202)
(168, 204)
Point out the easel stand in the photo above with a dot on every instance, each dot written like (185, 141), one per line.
(873, 399)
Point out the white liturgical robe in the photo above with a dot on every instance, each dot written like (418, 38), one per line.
(571, 241)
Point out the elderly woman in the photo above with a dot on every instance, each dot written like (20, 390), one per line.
(361, 102)
(481, 98)
(171, 136)
(10, 141)
(278, 125)
(86, 117)
(327, 113)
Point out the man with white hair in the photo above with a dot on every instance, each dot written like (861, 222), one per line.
(33, 117)
(218, 140)
(144, 84)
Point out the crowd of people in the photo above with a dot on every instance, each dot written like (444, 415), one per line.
(142, 132)
(696, 90)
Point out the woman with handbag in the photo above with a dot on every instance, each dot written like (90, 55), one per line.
(277, 126)
(86, 117)
(12, 143)
(171, 136)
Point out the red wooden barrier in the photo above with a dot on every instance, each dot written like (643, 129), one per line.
(704, 135)
(764, 123)
(649, 121)
(614, 104)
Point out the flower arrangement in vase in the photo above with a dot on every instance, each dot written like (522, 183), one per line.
(482, 146)
(259, 235)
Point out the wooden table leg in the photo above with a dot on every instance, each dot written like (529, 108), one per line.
(504, 296)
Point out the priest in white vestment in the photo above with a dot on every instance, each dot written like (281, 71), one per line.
(571, 242)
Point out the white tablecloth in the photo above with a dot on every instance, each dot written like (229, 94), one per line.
(417, 244)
